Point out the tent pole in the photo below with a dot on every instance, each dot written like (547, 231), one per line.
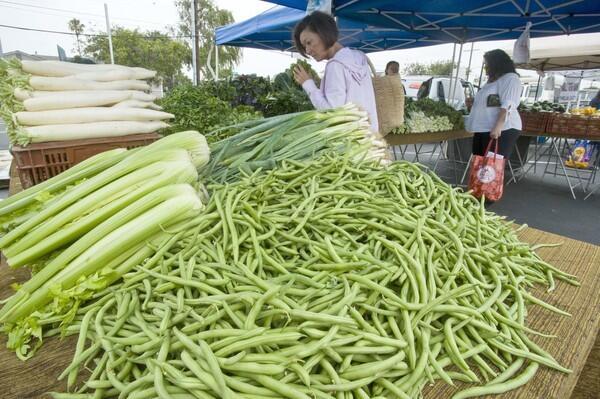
(470, 59)
(452, 70)
(579, 89)
(537, 89)
(457, 73)
(481, 74)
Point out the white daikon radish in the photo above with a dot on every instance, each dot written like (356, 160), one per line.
(87, 115)
(138, 104)
(22, 94)
(79, 99)
(42, 134)
(69, 83)
(113, 75)
(135, 94)
(61, 68)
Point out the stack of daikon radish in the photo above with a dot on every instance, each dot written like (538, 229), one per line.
(45, 101)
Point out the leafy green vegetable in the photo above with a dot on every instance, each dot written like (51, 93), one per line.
(288, 96)
(427, 115)
(196, 108)
(285, 80)
(249, 89)
(286, 102)
(542, 106)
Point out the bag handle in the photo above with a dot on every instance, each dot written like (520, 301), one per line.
(489, 146)
(371, 67)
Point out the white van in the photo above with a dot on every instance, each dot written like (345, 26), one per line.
(438, 88)
(548, 90)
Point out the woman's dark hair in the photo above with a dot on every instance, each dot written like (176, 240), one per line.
(393, 66)
(498, 63)
(320, 23)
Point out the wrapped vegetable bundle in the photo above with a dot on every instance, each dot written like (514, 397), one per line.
(58, 101)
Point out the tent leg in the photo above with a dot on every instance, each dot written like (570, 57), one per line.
(481, 75)
(452, 71)
(453, 92)
(470, 59)
(537, 89)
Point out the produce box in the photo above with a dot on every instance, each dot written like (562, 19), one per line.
(578, 125)
(535, 122)
(558, 124)
(39, 162)
(593, 128)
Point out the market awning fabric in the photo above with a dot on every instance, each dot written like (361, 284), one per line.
(273, 29)
(455, 21)
(565, 53)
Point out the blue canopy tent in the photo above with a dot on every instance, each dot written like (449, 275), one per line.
(272, 30)
(460, 21)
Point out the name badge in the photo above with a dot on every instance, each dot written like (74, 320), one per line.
(493, 100)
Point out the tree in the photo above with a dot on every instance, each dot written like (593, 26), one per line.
(208, 17)
(77, 27)
(153, 50)
(415, 68)
(443, 68)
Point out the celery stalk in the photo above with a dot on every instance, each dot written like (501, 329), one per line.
(171, 205)
(65, 228)
(82, 170)
(80, 191)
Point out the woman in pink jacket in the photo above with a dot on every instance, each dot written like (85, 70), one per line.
(347, 77)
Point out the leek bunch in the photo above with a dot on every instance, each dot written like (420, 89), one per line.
(299, 136)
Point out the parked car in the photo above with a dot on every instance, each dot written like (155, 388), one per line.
(412, 84)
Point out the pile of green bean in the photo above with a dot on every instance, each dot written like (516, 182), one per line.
(323, 279)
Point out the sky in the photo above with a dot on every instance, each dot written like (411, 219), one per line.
(159, 14)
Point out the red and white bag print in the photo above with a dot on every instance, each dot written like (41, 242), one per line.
(487, 175)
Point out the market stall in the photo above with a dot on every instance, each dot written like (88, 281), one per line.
(561, 130)
(443, 140)
(387, 26)
(291, 259)
(559, 127)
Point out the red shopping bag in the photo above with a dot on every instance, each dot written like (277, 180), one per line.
(487, 175)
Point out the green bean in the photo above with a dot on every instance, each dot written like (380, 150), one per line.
(368, 369)
(346, 386)
(267, 339)
(393, 388)
(283, 389)
(502, 387)
(365, 282)
(531, 356)
(72, 377)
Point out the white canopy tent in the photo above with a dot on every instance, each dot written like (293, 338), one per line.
(575, 52)
(564, 53)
